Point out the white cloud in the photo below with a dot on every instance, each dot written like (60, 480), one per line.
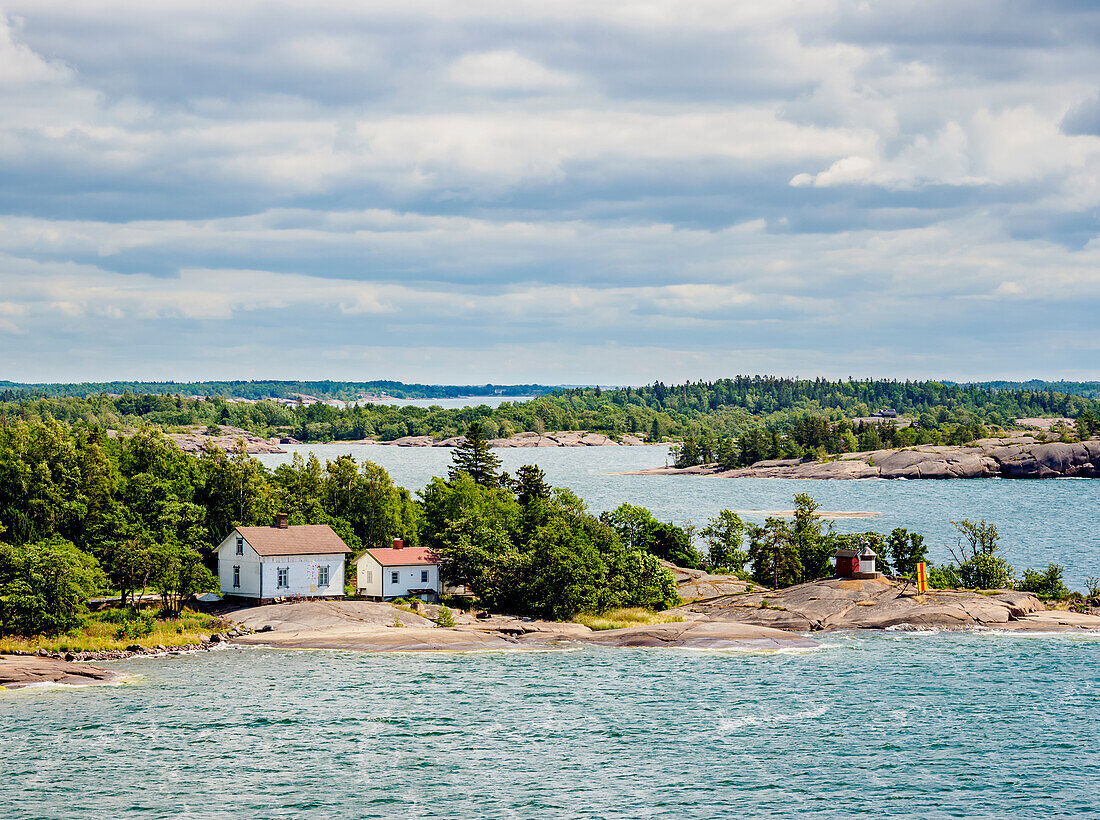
(505, 70)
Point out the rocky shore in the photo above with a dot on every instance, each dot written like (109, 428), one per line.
(568, 438)
(25, 670)
(1020, 456)
(197, 440)
(881, 603)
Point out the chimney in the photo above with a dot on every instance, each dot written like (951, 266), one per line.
(280, 521)
(398, 544)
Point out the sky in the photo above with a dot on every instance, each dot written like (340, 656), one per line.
(557, 192)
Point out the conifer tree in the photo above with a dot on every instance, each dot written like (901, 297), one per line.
(474, 457)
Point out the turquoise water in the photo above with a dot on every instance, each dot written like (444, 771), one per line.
(887, 724)
(1040, 522)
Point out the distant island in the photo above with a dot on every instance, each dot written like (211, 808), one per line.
(735, 422)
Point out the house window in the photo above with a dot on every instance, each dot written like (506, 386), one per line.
(322, 576)
(236, 577)
(370, 576)
(423, 576)
(395, 576)
(284, 579)
(240, 545)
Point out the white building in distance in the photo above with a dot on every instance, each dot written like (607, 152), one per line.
(281, 561)
(398, 572)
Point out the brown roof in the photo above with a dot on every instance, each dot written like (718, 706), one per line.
(389, 557)
(300, 539)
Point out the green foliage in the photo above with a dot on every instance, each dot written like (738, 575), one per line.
(1047, 584)
(773, 554)
(638, 529)
(733, 421)
(978, 566)
(444, 619)
(548, 558)
(907, 549)
(724, 534)
(474, 457)
(178, 573)
(44, 586)
(135, 625)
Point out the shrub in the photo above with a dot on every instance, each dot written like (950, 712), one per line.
(444, 618)
(1046, 584)
(137, 626)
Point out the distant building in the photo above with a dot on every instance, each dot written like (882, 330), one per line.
(860, 563)
(398, 572)
(281, 561)
(885, 413)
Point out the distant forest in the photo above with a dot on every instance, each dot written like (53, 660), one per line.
(347, 391)
(730, 420)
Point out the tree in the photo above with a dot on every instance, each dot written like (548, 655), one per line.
(44, 586)
(724, 534)
(474, 457)
(673, 544)
(774, 554)
(530, 484)
(179, 573)
(815, 551)
(1046, 584)
(633, 525)
(906, 551)
(975, 553)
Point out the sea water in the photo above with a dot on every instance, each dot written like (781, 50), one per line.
(1040, 522)
(972, 724)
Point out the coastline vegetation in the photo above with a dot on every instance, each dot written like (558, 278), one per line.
(734, 421)
(81, 512)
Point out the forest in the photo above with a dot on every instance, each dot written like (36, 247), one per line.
(708, 413)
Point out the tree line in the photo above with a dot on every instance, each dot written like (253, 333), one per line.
(754, 413)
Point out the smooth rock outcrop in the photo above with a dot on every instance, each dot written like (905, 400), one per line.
(17, 671)
(1011, 457)
(877, 604)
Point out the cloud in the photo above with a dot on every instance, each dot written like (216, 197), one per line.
(716, 180)
(505, 70)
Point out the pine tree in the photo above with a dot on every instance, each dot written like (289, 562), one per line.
(474, 457)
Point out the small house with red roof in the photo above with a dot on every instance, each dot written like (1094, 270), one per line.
(398, 572)
(282, 561)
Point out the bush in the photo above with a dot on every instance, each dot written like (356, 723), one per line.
(444, 618)
(138, 625)
(44, 586)
(1047, 584)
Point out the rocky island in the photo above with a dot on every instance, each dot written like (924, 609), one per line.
(1016, 456)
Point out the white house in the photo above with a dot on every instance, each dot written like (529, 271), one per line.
(398, 572)
(280, 561)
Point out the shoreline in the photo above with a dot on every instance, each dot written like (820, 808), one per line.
(1015, 457)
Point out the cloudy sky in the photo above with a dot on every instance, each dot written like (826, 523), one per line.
(466, 191)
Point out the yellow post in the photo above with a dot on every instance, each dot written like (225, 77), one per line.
(922, 578)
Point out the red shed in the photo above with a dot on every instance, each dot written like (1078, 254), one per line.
(858, 563)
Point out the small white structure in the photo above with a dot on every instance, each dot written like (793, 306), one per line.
(856, 563)
(398, 572)
(280, 561)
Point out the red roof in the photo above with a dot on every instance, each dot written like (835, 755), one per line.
(405, 557)
(301, 539)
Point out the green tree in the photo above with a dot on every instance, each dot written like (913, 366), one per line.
(907, 549)
(724, 534)
(773, 553)
(1046, 584)
(179, 573)
(44, 586)
(975, 553)
(815, 550)
(474, 457)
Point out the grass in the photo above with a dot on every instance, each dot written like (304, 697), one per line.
(99, 634)
(622, 618)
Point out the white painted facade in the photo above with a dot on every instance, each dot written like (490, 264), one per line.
(394, 581)
(244, 573)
